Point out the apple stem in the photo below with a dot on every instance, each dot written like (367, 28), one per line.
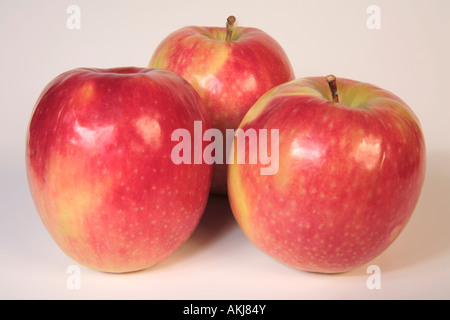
(331, 79)
(230, 25)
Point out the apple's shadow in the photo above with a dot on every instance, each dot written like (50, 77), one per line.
(427, 235)
(216, 221)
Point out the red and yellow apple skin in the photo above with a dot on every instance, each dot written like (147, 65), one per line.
(98, 159)
(350, 175)
(229, 75)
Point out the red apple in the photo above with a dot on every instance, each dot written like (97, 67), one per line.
(229, 67)
(98, 158)
(351, 169)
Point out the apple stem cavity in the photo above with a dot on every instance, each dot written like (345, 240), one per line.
(332, 84)
(230, 26)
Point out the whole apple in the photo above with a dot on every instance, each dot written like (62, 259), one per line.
(99, 167)
(230, 67)
(351, 169)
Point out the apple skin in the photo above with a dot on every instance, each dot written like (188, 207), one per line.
(99, 167)
(350, 175)
(229, 75)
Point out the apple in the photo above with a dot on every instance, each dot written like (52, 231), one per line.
(351, 169)
(230, 67)
(99, 167)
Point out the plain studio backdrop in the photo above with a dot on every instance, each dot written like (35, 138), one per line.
(404, 50)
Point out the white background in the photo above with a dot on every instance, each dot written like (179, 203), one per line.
(409, 56)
